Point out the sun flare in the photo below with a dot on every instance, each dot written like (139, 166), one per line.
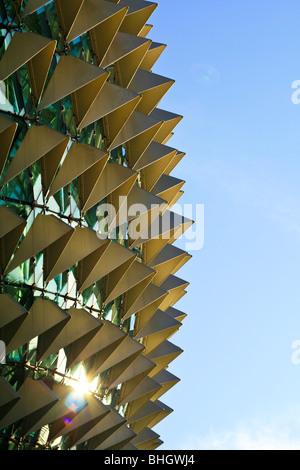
(80, 383)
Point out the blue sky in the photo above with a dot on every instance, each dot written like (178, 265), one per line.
(234, 63)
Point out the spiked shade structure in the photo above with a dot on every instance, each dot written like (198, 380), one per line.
(87, 298)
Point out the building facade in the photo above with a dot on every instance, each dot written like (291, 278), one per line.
(87, 256)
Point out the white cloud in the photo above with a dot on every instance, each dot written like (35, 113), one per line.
(281, 433)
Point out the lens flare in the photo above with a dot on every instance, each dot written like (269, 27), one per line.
(79, 382)
(76, 400)
(81, 385)
(205, 74)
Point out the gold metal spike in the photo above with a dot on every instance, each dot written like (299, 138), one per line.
(174, 162)
(91, 16)
(104, 343)
(152, 87)
(140, 223)
(81, 325)
(137, 16)
(134, 294)
(12, 315)
(177, 314)
(175, 286)
(162, 230)
(93, 413)
(182, 294)
(130, 386)
(119, 201)
(128, 350)
(167, 187)
(180, 230)
(101, 352)
(75, 246)
(144, 439)
(9, 221)
(75, 77)
(102, 264)
(38, 68)
(127, 67)
(170, 267)
(152, 341)
(87, 183)
(140, 203)
(175, 199)
(35, 51)
(148, 209)
(148, 297)
(182, 263)
(110, 423)
(114, 177)
(8, 397)
(93, 443)
(115, 279)
(60, 410)
(42, 316)
(49, 164)
(122, 367)
(177, 226)
(145, 390)
(144, 315)
(166, 262)
(167, 381)
(159, 322)
(82, 160)
(39, 142)
(7, 132)
(45, 230)
(11, 229)
(115, 121)
(152, 155)
(117, 440)
(34, 5)
(153, 163)
(152, 55)
(141, 395)
(67, 12)
(137, 135)
(137, 147)
(154, 445)
(168, 253)
(165, 411)
(170, 120)
(145, 30)
(163, 355)
(125, 278)
(132, 376)
(28, 408)
(103, 34)
(115, 105)
(144, 416)
(126, 46)
(130, 447)
(166, 139)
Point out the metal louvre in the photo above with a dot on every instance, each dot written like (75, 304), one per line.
(86, 318)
